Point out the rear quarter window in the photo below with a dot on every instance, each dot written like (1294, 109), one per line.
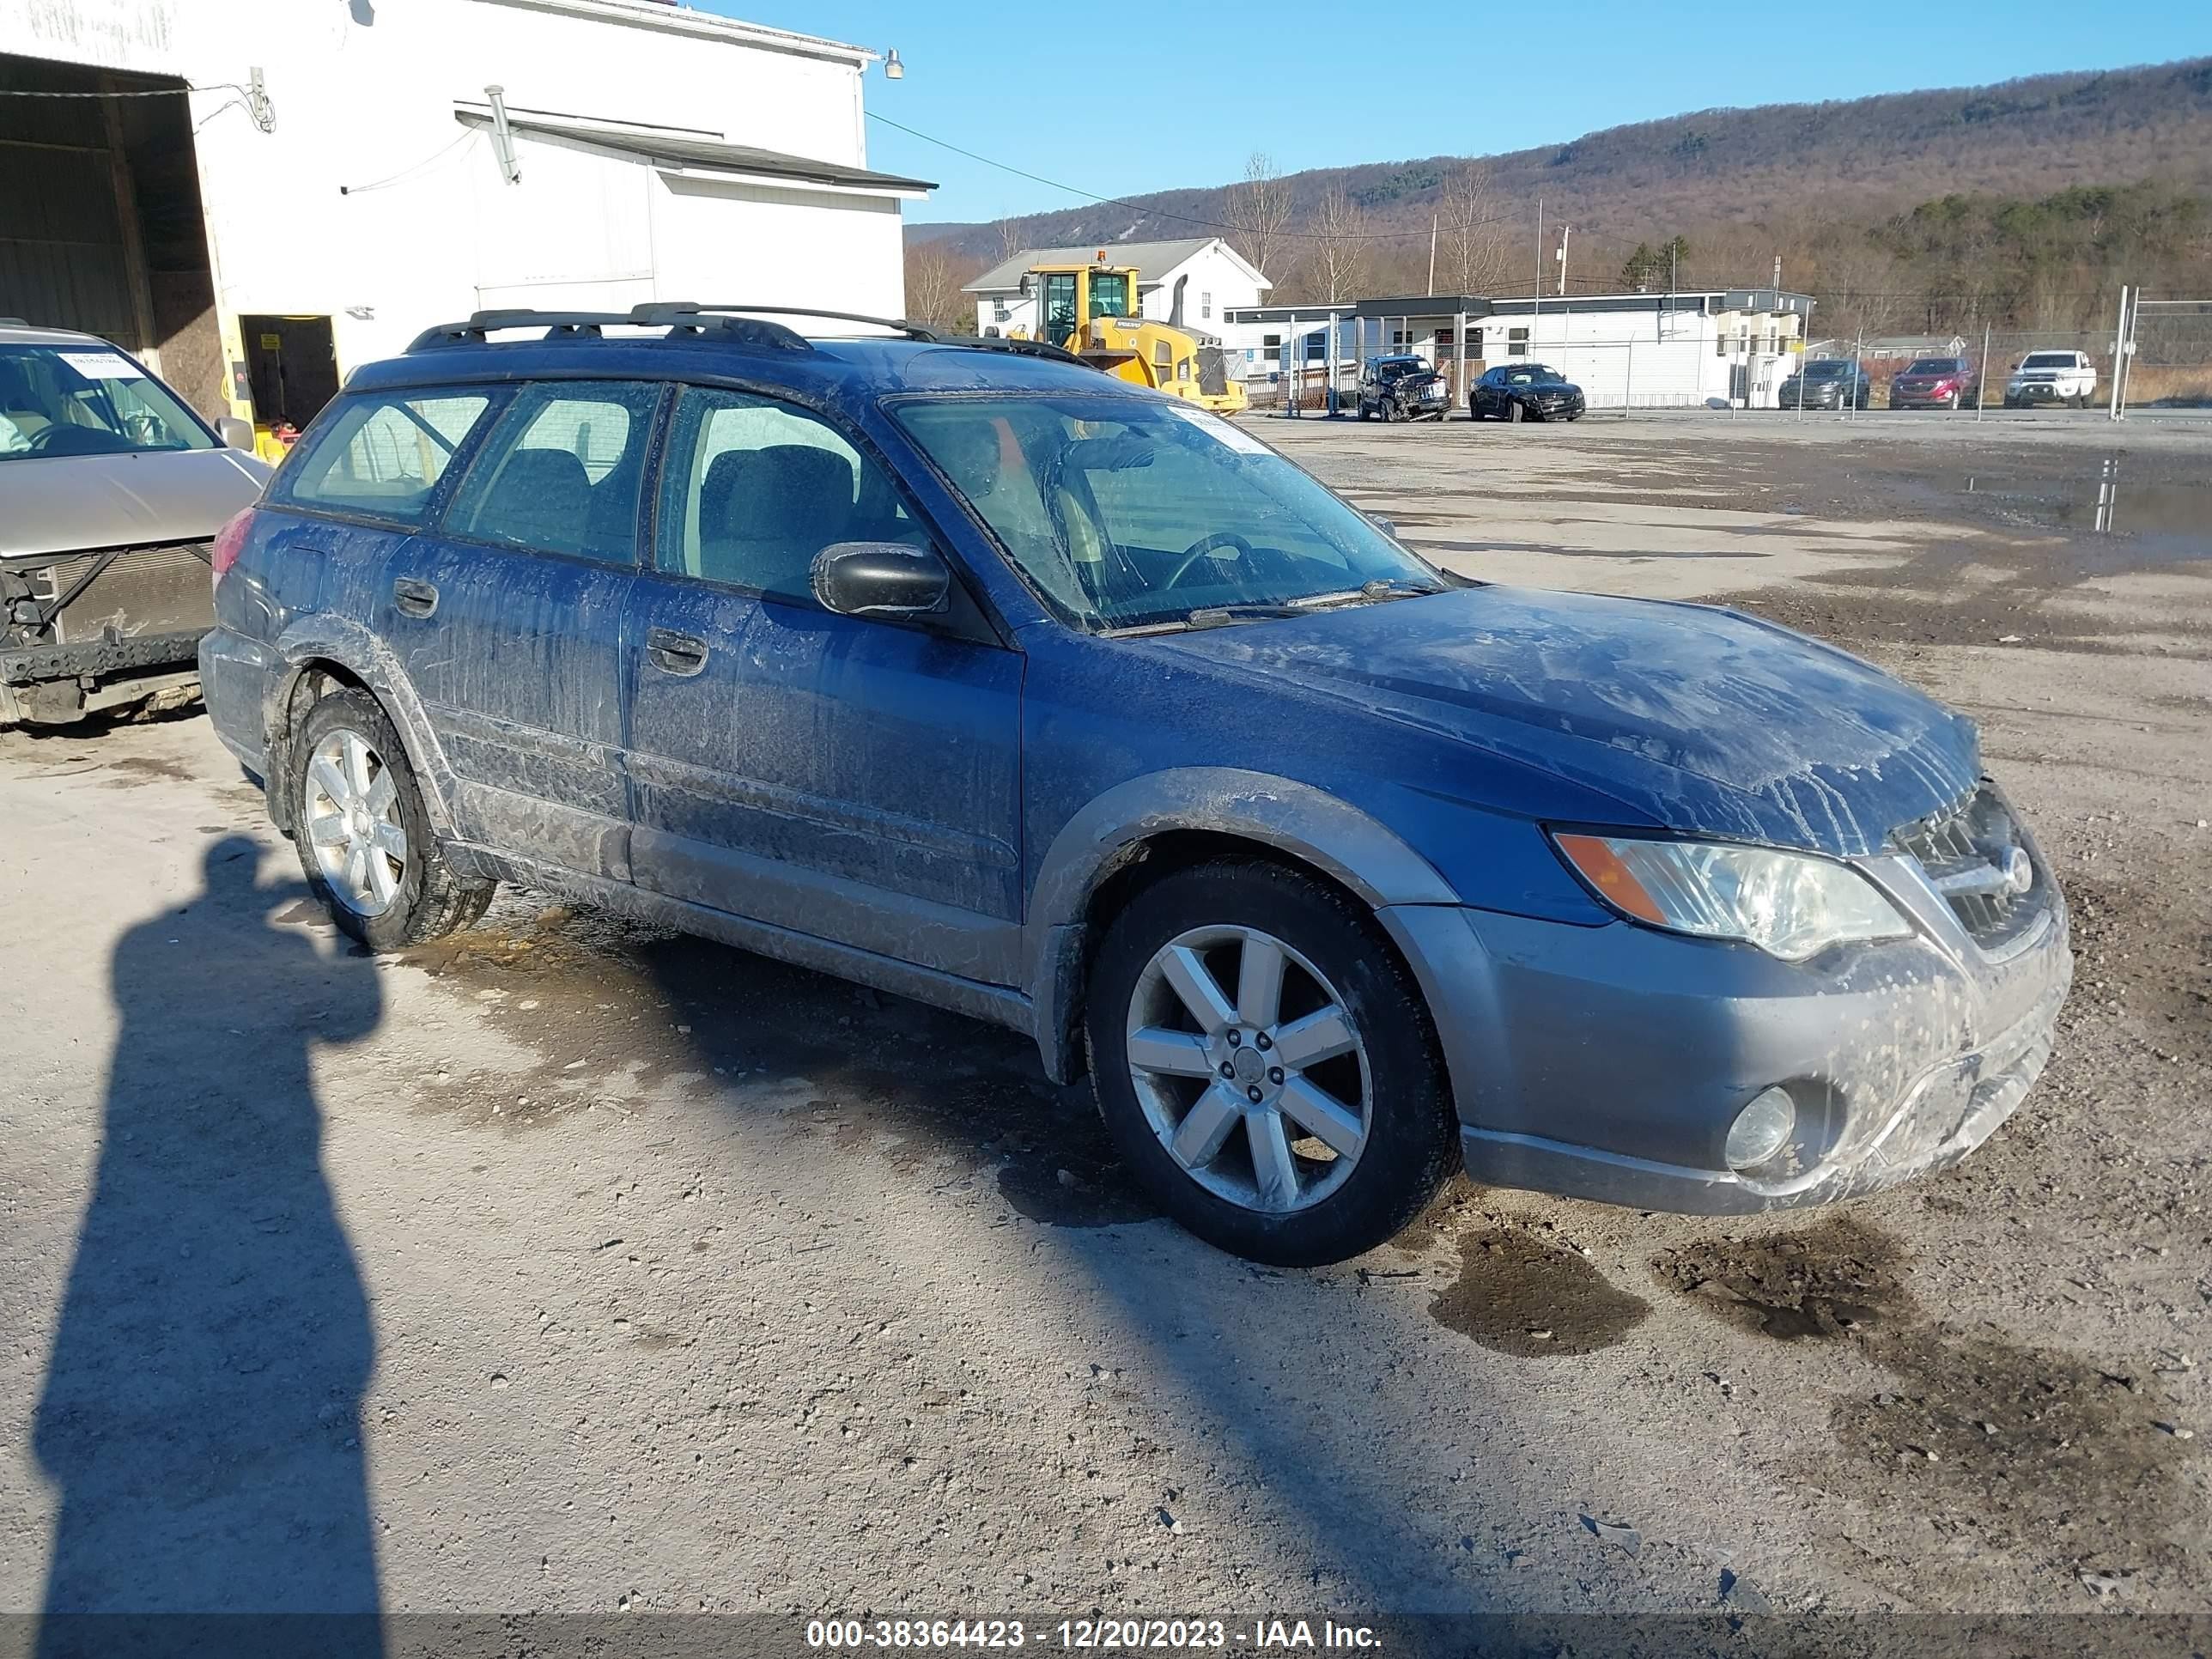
(381, 454)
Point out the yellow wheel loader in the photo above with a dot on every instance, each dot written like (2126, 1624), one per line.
(1092, 311)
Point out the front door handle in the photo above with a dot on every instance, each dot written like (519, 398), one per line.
(680, 654)
(413, 599)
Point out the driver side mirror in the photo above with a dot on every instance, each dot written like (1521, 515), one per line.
(237, 434)
(881, 579)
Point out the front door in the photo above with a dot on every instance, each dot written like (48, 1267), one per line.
(851, 779)
(507, 620)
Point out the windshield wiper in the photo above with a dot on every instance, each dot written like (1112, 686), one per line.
(1212, 616)
(1394, 588)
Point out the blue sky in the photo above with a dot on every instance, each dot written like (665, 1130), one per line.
(1209, 83)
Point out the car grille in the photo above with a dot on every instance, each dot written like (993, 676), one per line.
(147, 590)
(1965, 851)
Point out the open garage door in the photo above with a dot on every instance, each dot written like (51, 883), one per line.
(99, 219)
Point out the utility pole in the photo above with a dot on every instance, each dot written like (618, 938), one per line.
(1777, 279)
(1536, 305)
(1433, 252)
(1565, 231)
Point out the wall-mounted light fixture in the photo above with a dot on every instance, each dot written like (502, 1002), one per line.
(893, 70)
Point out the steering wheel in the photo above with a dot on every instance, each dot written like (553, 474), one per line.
(44, 436)
(1204, 545)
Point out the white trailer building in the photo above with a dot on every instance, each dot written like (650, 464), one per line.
(1625, 350)
(266, 192)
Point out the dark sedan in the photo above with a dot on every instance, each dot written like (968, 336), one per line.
(1828, 383)
(1525, 392)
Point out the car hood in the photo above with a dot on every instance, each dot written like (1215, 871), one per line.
(69, 503)
(1706, 721)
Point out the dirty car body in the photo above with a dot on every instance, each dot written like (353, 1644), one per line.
(110, 491)
(1678, 909)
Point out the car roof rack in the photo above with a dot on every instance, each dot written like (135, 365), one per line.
(738, 324)
(559, 325)
(660, 311)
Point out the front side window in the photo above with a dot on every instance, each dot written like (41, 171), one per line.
(86, 399)
(380, 454)
(752, 490)
(561, 471)
(1127, 512)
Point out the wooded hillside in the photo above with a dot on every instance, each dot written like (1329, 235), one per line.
(2023, 204)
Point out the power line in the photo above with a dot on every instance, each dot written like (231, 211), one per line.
(1163, 213)
(148, 92)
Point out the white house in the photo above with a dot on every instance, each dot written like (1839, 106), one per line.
(1202, 274)
(311, 183)
(1625, 350)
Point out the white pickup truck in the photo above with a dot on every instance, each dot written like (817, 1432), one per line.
(2051, 377)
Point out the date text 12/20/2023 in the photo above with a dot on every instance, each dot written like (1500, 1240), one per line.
(1135, 1635)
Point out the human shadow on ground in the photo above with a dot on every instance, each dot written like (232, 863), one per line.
(200, 1417)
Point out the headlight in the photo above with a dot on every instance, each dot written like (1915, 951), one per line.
(1788, 904)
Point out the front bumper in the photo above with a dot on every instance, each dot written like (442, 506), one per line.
(1607, 1062)
(1923, 397)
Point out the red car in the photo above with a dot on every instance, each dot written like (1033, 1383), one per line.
(1935, 383)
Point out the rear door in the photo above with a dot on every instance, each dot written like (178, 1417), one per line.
(854, 779)
(507, 619)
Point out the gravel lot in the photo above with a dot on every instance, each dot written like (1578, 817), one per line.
(566, 1267)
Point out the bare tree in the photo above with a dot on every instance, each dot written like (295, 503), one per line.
(1474, 232)
(933, 295)
(1012, 239)
(1259, 210)
(1339, 260)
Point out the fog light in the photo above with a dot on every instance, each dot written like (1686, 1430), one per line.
(1760, 1130)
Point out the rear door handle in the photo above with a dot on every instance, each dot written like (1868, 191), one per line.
(413, 599)
(680, 654)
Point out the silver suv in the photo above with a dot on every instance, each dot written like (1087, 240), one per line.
(111, 489)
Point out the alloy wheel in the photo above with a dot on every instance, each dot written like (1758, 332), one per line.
(1263, 1097)
(351, 820)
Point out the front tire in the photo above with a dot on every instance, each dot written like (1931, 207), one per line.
(1514, 413)
(1264, 1065)
(365, 841)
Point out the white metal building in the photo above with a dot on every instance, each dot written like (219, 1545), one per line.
(312, 182)
(1202, 274)
(1639, 350)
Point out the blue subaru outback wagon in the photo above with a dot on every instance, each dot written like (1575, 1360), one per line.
(963, 671)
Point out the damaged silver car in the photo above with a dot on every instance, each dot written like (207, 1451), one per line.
(111, 491)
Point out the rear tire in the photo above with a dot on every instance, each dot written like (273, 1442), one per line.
(364, 837)
(1256, 1176)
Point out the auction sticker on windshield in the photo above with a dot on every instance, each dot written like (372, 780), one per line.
(103, 365)
(1220, 431)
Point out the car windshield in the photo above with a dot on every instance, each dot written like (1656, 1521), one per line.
(1827, 368)
(86, 399)
(2049, 359)
(1398, 366)
(1132, 512)
(1535, 374)
(1933, 366)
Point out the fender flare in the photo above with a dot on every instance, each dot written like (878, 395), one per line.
(325, 638)
(1298, 820)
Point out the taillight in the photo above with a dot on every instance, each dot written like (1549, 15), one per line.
(229, 543)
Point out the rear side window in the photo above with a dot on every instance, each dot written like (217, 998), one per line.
(561, 471)
(381, 454)
(752, 490)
